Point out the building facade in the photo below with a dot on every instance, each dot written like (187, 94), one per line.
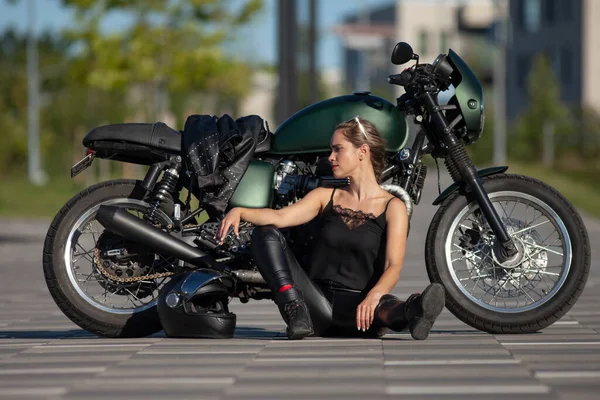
(568, 33)
(368, 38)
(430, 26)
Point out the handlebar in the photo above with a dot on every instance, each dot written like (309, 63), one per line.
(402, 79)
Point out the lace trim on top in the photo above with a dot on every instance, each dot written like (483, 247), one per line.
(353, 218)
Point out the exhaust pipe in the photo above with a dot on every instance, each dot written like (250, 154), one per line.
(248, 276)
(119, 221)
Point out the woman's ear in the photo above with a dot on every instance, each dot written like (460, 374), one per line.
(364, 149)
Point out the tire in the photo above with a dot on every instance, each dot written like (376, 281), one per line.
(490, 317)
(119, 323)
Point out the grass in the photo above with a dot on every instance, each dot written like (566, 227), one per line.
(579, 187)
(19, 198)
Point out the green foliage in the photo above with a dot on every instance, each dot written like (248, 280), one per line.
(165, 58)
(545, 107)
(20, 198)
(13, 92)
(580, 187)
(583, 139)
(169, 43)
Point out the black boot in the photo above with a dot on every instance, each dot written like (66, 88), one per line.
(417, 313)
(295, 313)
(422, 310)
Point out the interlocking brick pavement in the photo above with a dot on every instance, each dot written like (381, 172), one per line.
(44, 355)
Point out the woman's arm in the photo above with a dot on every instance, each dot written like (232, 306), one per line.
(298, 213)
(397, 230)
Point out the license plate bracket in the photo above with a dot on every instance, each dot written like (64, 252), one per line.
(82, 165)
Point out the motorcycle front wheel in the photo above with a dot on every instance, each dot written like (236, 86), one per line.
(528, 294)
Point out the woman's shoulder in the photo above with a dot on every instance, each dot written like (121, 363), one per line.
(322, 193)
(323, 196)
(395, 209)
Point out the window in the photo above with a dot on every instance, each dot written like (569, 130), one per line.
(566, 65)
(522, 68)
(423, 42)
(557, 63)
(532, 15)
(550, 11)
(443, 42)
(567, 9)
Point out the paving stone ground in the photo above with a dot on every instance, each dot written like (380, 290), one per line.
(44, 355)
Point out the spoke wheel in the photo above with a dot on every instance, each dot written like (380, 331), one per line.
(545, 254)
(96, 302)
(529, 293)
(96, 288)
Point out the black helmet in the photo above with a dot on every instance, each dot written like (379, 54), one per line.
(194, 305)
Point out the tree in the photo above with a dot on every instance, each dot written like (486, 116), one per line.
(545, 107)
(13, 92)
(171, 47)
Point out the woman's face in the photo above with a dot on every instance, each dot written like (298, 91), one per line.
(344, 157)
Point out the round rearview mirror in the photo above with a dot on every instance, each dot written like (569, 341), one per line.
(402, 53)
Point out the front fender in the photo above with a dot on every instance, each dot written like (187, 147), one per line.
(457, 185)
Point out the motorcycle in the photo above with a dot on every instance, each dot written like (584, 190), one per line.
(511, 251)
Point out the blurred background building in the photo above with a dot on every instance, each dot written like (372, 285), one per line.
(430, 26)
(568, 33)
(367, 37)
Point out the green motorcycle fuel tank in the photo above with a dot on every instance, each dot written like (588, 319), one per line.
(310, 129)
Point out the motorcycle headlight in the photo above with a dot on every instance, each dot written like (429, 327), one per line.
(442, 67)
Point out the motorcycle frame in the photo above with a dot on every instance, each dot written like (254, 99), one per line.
(440, 134)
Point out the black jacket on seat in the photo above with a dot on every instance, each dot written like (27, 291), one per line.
(218, 152)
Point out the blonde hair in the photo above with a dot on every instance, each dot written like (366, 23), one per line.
(359, 131)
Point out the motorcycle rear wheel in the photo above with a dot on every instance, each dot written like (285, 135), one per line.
(65, 259)
(520, 298)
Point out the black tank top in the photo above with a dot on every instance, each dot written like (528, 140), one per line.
(349, 248)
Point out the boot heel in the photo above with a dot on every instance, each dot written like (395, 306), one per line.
(433, 300)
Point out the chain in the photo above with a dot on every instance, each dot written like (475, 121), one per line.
(128, 279)
(133, 278)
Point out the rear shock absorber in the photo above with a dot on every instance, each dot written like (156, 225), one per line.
(166, 186)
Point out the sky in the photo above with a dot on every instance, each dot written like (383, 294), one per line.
(257, 40)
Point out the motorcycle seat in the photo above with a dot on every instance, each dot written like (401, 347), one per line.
(157, 135)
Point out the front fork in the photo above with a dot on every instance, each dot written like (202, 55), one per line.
(461, 167)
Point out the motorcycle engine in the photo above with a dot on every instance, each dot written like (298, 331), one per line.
(293, 181)
(290, 185)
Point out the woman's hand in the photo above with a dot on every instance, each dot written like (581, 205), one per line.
(365, 312)
(231, 219)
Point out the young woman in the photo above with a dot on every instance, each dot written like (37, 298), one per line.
(356, 257)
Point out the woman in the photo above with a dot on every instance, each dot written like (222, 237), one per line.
(356, 258)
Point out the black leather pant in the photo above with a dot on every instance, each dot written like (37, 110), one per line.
(332, 308)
